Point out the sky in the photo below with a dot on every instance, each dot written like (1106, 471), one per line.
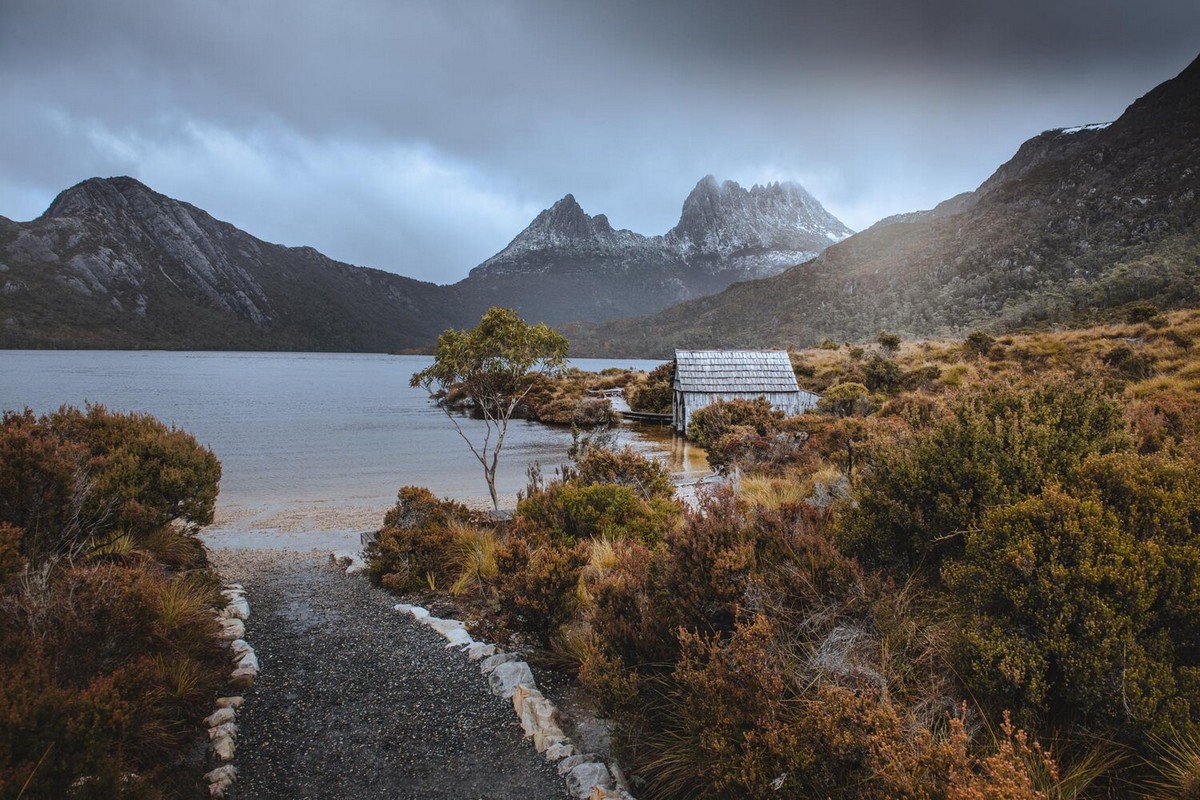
(421, 137)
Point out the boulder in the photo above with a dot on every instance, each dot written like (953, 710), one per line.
(417, 612)
(237, 608)
(230, 702)
(224, 729)
(478, 650)
(239, 648)
(505, 678)
(571, 762)
(220, 717)
(559, 751)
(248, 660)
(459, 638)
(586, 777)
(220, 780)
(232, 629)
(491, 662)
(223, 747)
(444, 626)
(243, 677)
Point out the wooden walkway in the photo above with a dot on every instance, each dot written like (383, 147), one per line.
(646, 416)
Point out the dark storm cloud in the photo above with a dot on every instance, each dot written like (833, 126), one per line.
(421, 136)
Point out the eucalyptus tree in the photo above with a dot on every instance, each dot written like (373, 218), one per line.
(494, 366)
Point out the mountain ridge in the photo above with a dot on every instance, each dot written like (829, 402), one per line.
(591, 270)
(113, 263)
(1079, 220)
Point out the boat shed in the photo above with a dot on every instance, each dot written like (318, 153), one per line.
(705, 376)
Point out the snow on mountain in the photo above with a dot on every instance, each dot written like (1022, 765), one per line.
(722, 228)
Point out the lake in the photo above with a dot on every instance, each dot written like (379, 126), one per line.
(313, 446)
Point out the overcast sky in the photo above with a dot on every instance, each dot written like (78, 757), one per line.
(420, 137)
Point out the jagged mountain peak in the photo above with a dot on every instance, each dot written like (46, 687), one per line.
(564, 226)
(112, 193)
(725, 218)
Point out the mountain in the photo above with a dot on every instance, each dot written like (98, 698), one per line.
(113, 264)
(1080, 220)
(568, 265)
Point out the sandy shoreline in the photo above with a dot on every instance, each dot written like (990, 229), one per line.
(337, 525)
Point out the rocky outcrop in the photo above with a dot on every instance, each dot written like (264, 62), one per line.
(567, 265)
(112, 263)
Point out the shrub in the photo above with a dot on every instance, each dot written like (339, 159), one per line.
(771, 454)
(474, 557)
(655, 395)
(73, 480)
(881, 374)
(1132, 365)
(625, 467)
(979, 343)
(890, 342)
(711, 422)
(1061, 598)
(739, 723)
(999, 444)
(108, 649)
(846, 400)
(538, 585)
(414, 550)
(1140, 312)
(567, 512)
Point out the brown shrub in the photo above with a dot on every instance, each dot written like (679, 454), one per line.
(537, 586)
(415, 550)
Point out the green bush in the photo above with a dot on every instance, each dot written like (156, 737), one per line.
(846, 400)
(72, 479)
(881, 374)
(714, 421)
(625, 467)
(537, 585)
(1061, 601)
(567, 512)
(109, 655)
(655, 395)
(998, 444)
(416, 547)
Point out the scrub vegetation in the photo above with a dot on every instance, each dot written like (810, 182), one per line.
(108, 650)
(972, 572)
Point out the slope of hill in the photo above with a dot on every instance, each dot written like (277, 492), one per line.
(113, 264)
(1079, 220)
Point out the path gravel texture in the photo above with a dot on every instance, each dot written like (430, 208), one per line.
(357, 701)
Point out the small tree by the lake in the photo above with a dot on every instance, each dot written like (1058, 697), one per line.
(493, 366)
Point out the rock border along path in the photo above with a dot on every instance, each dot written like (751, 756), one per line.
(356, 700)
(221, 725)
(588, 778)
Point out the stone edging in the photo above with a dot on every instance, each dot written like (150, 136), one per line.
(221, 724)
(587, 777)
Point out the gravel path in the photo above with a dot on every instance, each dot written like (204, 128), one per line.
(357, 701)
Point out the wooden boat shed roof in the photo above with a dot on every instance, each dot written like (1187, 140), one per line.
(734, 372)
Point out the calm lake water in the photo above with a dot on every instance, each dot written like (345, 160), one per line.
(313, 446)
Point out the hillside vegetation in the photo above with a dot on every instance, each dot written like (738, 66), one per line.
(972, 573)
